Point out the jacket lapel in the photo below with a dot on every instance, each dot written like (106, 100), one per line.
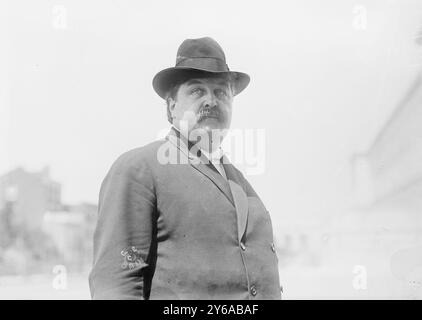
(201, 164)
(231, 188)
(239, 196)
(216, 178)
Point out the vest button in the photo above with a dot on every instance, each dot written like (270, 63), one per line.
(253, 291)
(272, 247)
(242, 245)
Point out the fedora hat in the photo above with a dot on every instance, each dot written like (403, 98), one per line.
(198, 58)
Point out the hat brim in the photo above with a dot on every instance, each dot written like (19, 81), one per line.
(167, 78)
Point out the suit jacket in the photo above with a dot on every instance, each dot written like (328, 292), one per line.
(180, 231)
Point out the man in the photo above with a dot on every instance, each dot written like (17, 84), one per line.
(176, 219)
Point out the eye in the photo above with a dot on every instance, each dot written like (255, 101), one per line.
(221, 93)
(197, 91)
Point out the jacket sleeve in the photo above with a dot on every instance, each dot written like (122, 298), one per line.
(124, 232)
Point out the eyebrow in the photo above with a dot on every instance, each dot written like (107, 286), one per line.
(191, 82)
(195, 81)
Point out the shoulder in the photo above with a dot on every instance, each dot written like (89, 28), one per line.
(146, 154)
(137, 160)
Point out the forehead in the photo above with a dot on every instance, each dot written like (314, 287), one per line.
(207, 81)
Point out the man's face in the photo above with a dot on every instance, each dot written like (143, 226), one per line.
(203, 105)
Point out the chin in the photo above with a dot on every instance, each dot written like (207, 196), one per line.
(209, 127)
(211, 124)
(213, 132)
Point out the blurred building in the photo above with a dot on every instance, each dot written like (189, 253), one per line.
(71, 231)
(37, 229)
(29, 195)
(380, 236)
(387, 215)
(392, 166)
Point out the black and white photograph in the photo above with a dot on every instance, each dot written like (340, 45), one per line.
(220, 150)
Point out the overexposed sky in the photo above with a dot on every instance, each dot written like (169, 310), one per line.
(325, 75)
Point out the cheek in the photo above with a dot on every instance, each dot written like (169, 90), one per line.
(227, 109)
(187, 111)
(183, 107)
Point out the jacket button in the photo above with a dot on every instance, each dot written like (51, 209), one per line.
(253, 291)
(242, 245)
(273, 247)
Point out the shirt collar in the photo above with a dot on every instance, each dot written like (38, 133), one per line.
(214, 156)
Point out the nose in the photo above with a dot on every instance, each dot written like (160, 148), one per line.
(210, 101)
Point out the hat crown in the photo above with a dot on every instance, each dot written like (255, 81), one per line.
(200, 48)
(198, 57)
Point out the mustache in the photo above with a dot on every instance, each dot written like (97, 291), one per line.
(209, 113)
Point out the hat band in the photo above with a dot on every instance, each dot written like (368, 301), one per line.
(204, 63)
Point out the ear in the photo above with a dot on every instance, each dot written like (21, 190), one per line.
(171, 103)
